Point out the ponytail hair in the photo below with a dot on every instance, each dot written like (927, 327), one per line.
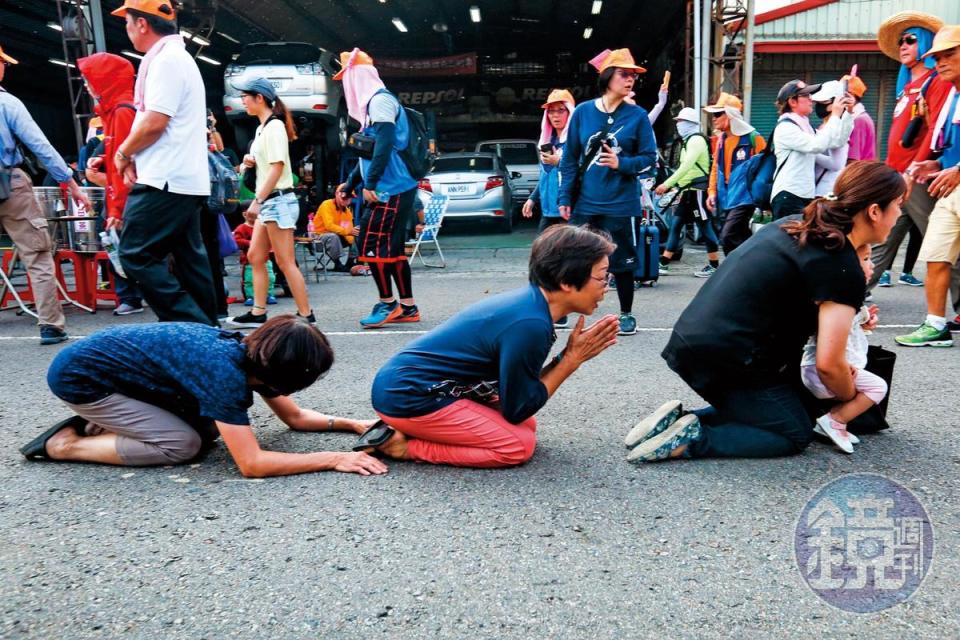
(280, 110)
(828, 219)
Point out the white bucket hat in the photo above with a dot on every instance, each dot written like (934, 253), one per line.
(688, 114)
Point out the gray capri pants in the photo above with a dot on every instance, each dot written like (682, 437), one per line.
(146, 434)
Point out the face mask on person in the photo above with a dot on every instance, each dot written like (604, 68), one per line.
(687, 129)
(822, 109)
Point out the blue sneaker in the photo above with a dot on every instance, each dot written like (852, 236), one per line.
(248, 302)
(628, 325)
(655, 423)
(909, 280)
(682, 432)
(271, 300)
(51, 335)
(884, 280)
(382, 313)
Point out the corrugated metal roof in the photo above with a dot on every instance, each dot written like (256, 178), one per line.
(849, 19)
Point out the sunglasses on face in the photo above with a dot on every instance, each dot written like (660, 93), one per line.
(907, 39)
(627, 74)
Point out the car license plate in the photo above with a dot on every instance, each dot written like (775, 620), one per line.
(459, 189)
(278, 84)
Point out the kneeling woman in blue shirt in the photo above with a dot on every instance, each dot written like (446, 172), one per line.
(465, 393)
(157, 394)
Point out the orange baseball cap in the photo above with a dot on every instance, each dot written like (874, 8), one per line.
(7, 58)
(351, 59)
(558, 95)
(622, 59)
(947, 38)
(160, 8)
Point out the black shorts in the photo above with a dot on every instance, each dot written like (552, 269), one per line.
(621, 232)
(383, 229)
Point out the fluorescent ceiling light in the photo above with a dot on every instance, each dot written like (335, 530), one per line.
(209, 60)
(54, 26)
(398, 23)
(203, 42)
(132, 54)
(475, 13)
(228, 37)
(597, 5)
(587, 33)
(62, 63)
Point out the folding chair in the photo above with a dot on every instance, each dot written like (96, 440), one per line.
(432, 220)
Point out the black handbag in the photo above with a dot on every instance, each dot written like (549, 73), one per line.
(362, 144)
(880, 362)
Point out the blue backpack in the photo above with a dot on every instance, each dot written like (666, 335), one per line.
(759, 172)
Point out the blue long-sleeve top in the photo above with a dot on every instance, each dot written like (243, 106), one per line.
(605, 191)
(16, 124)
(951, 136)
(547, 193)
(496, 347)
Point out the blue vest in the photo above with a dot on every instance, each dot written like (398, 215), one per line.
(735, 193)
(396, 178)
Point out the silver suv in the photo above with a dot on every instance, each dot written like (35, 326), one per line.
(303, 76)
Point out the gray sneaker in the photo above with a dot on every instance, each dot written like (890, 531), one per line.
(655, 423)
(127, 310)
(706, 272)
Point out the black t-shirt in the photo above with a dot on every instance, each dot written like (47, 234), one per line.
(748, 324)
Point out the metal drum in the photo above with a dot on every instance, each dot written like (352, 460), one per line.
(71, 225)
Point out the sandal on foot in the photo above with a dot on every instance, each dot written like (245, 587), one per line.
(36, 449)
(374, 437)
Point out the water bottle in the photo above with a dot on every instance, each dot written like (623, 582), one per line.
(111, 245)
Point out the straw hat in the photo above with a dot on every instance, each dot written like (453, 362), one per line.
(946, 38)
(724, 100)
(558, 95)
(894, 26)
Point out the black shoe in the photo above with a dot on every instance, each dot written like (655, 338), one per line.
(339, 267)
(51, 335)
(373, 437)
(953, 326)
(36, 449)
(247, 321)
(311, 319)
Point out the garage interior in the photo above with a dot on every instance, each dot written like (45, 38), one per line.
(506, 55)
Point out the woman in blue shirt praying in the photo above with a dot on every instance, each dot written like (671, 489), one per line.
(465, 394)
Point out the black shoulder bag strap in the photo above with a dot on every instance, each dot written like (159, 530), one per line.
(777, 172)
(592, 152)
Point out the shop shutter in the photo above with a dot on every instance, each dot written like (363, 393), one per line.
(763, 105)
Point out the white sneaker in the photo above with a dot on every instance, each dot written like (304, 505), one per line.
(818, 429)
(839, 438)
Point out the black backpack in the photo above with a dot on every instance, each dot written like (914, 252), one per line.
(416, 155)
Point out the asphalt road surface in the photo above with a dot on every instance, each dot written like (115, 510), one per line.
(577, 543)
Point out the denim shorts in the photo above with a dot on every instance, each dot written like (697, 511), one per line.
(284, 210)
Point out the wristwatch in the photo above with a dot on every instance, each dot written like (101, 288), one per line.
(258, 200)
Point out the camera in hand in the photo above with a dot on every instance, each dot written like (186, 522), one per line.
(546, 148)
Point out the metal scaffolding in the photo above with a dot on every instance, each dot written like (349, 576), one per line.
(80, 20)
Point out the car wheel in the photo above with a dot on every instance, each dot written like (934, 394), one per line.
(338, 131)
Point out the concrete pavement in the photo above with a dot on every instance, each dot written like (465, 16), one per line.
(577, 543)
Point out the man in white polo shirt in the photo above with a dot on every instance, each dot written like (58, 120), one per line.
(165, 158)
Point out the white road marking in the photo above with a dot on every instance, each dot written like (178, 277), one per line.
(390, 332)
